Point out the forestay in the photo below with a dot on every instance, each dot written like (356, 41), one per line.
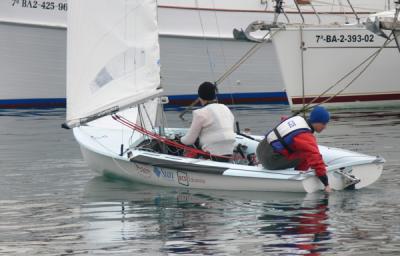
(113, 56)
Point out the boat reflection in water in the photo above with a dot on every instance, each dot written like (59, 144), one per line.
(306, 231)
(134, 217)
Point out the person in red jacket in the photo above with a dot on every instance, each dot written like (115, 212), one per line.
(292, 144)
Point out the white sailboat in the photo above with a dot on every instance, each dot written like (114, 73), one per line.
(113, 80)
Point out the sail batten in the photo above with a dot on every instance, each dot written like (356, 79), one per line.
(112, 55)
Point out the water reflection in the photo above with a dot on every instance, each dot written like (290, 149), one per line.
(42, 211)
(178, 221)
(303, 232)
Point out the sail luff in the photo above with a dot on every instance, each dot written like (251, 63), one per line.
(112, 56)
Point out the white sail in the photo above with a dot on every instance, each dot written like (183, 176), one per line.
(113, 55)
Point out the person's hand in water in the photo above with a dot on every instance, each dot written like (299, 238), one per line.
(328, 189)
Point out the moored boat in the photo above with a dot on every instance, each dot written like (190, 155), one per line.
(342, 66)
(202, 48)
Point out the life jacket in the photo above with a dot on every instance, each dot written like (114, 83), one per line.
(281, 137)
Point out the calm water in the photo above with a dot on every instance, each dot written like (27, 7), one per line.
(52, 204)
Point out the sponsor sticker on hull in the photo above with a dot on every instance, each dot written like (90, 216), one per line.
(182, 178)
(185, 179)
(143, 171)
(163, 173)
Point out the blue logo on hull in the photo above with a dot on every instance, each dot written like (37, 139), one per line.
(161, 173)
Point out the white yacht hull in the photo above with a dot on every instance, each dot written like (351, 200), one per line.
(100, 148)
(33, 68)
(196, 45)
(330, 52)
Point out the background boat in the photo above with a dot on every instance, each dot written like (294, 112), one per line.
(196, 45)
(342, 66)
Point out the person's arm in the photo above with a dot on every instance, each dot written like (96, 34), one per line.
(307, 144)
(194, 130)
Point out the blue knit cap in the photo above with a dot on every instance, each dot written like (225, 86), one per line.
(319, 115)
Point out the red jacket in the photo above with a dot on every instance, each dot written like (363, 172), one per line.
(305, 148)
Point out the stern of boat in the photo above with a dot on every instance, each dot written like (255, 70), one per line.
(358, 176)
(346, 170)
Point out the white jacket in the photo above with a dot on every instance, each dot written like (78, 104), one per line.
(214, 126)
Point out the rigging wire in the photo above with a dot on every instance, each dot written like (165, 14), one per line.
(162, 139)
(210, 62)
(148, 117)
(245, 57)
(221, 45)
(140, 116)
(395, 20)
(235, 66)
(161, 118)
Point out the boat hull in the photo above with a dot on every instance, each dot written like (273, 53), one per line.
(331, 52)
(168, 177)
(171, 171)
(35, 75)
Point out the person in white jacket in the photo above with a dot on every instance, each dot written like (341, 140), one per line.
(213, 125)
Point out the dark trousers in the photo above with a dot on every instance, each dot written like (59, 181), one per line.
(272, 160)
